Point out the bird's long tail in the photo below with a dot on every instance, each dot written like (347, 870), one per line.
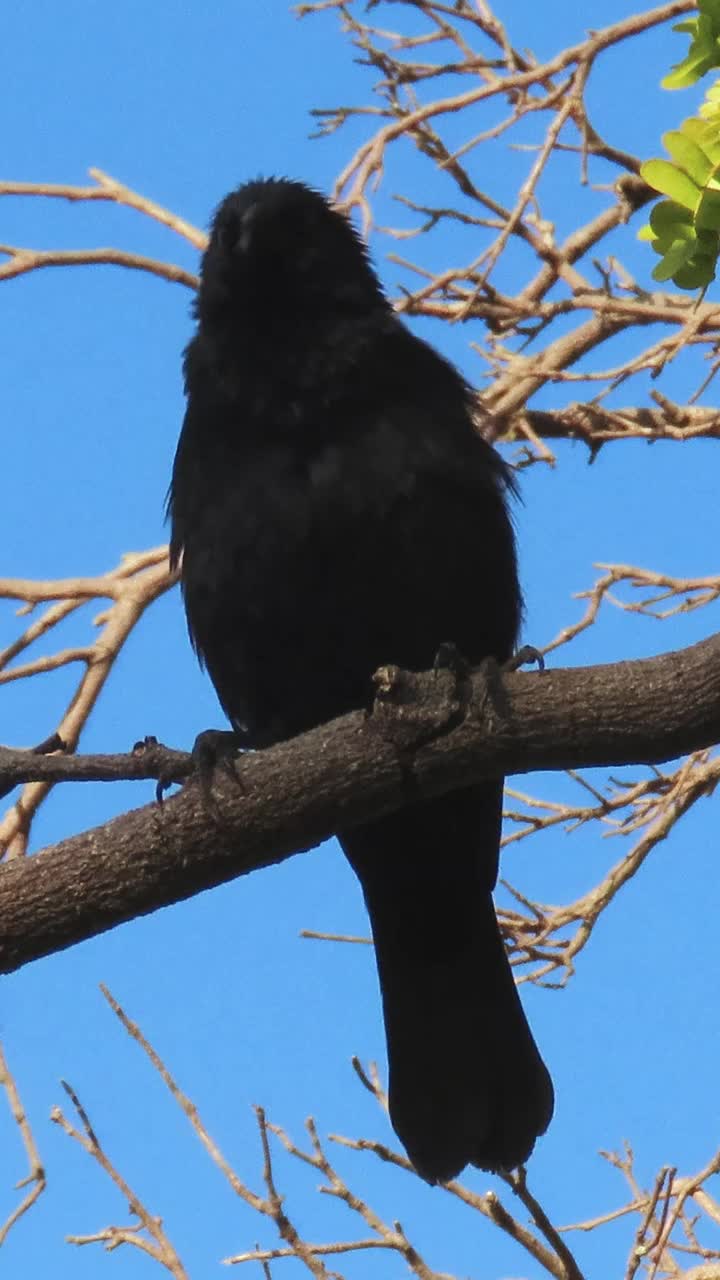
(467, 1083)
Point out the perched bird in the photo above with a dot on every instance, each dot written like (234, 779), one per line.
(336, 510)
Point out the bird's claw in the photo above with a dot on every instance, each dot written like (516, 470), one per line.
(215, 749)
(449, 658)
(525, 656)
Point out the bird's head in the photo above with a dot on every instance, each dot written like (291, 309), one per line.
(278, 243)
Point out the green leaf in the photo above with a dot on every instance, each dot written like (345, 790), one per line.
(686, 236)
(710, 109)
(696, 274)
(670, 181)
(689, 71)
(707, 214)
(688, 156)
(666, 216)
(702, 55)
(676, 234)
(678, 255)
(707, 135)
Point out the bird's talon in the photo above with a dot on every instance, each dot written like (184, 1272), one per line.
(526, 655)
(215, 749)
(449, 658)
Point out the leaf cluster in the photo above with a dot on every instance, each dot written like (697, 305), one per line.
(704, 51)
(684, 229)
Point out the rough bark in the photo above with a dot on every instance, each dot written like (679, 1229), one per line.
(427, 734)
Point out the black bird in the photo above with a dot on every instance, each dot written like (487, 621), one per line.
(336, 511)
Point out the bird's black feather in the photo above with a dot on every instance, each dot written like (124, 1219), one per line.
(336, 510)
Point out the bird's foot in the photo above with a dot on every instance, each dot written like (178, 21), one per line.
(216, 749)
(164, 763)
(212, 749)
(525, 656)
(495, 693)
(449, 658)
(410, 710)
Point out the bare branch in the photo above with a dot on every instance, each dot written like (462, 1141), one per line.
(139, 579)
(34, 1180)
(151, 1239)
(23, 261)
(109, 189)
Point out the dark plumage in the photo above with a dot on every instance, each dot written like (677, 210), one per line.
(337, 511)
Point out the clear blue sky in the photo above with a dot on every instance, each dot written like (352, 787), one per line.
(182, 103)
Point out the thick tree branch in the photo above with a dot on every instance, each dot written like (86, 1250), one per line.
(425, 737)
